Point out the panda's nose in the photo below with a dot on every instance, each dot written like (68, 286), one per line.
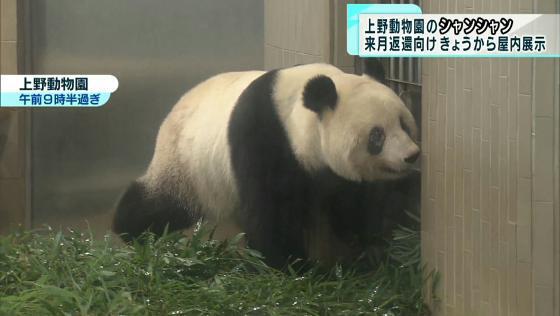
(412, 158)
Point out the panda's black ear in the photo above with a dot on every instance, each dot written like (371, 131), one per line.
(374, 68)
(319, 94)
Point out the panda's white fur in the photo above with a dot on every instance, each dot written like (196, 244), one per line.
(363, 102)
(192, 161)
(191, 148)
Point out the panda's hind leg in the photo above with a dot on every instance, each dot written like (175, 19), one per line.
(140, 210)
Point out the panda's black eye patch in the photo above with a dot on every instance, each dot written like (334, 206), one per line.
(404, 127)
(376, 140)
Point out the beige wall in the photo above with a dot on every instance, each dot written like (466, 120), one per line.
(306, 31)
(490, 208)
(12, 132)
(288, 41)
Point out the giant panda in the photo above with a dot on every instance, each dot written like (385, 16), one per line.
(285, 155)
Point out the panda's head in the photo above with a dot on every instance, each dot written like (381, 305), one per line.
(366, 132)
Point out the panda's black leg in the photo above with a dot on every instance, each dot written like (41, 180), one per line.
(138, 211)
(276, 230)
